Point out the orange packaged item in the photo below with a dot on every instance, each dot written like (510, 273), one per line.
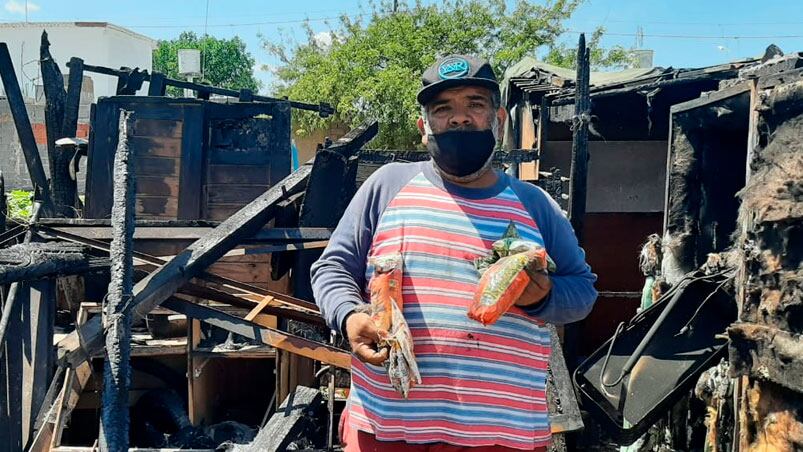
(386, 312)
(503, 283)
(385, 287)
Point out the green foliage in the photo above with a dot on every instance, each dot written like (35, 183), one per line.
(225, 62)
(19, 205)
(371, 68)
(613, 58)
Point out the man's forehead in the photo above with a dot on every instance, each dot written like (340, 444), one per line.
(461, 92)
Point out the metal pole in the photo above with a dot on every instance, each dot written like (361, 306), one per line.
(117, 307)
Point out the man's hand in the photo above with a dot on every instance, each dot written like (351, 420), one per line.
(539, 285)
(363, 337)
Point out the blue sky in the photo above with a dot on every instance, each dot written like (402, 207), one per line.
(683, 33)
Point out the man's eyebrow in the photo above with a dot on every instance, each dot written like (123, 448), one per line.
(438, 103)
(478, 97)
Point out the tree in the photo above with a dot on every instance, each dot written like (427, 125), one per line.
(225, 62)
(616, 57)
(370, 67)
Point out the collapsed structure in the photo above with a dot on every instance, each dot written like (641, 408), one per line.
(228, 346)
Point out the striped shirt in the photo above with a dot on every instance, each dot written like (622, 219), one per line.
(481, 385)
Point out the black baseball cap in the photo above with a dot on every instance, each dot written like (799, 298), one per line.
(456, 70)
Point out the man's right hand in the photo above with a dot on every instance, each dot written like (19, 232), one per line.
(363, 337)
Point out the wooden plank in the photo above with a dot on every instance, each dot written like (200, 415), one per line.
(164, 186)
(259, 307)
(157, 166)
(74, 384)
(38, 316)
(268, 336)
(192, 158)
(198, 397)
(157, 128)
(102, 142)
(162, 283)
(233, 194)
(156, 146)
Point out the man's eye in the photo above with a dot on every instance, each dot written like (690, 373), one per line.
(477, 105)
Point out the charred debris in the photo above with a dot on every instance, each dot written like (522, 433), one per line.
(170, 305)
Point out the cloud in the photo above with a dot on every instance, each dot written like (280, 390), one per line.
(15, 7)
(323, 38)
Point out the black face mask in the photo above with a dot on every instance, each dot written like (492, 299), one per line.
(461, 153)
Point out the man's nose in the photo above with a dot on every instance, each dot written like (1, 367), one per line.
(459, 119)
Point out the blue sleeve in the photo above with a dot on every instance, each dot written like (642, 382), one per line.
(338, 277)
(573, 293)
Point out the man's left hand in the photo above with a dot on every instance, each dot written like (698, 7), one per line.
(539, 285)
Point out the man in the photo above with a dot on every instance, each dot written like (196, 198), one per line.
(483, 387)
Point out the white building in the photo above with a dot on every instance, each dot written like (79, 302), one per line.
(97, 43)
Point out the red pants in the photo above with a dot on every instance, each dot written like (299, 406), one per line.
(357, 441)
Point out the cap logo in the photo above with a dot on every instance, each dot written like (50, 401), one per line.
(453, 68)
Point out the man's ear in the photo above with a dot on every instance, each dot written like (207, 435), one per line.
(501, 115)
(420, 124)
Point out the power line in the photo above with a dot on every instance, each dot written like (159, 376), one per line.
(242, 24)
(677, 36)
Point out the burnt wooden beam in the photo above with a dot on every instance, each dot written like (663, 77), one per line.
(248, 290)
(156, 86)
(30, 261)
(23, 126)
(268, 336)
(3, 204)
(299, 416)
(73, 101)
(767, 353)
(124, 85)
(579, 166)
(209, 293)
(191, 262)
(53, 86)
(116, 312)
(269, 236)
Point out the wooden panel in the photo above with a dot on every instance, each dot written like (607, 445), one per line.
(239, 156)
(220, 212)
(157, 128)
(156, 206)
(158, 166)
(192, 159)
(102, 142)
(623, 176)
(237, 174)
(155, 146)
(233, 194)
(158, 186)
